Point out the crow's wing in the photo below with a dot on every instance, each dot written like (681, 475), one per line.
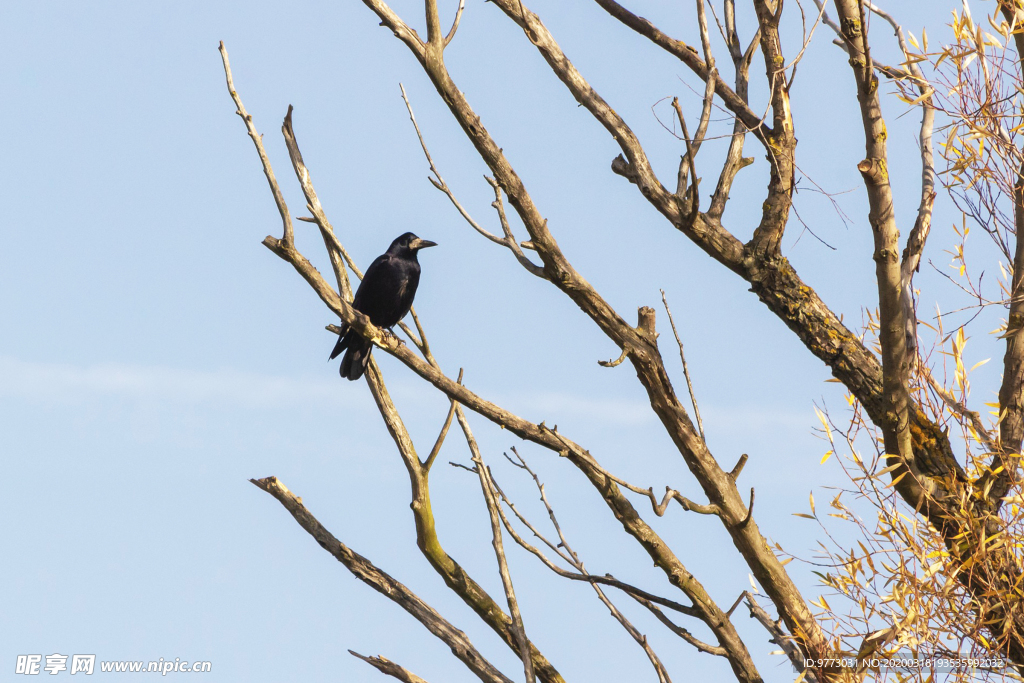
(387, 290)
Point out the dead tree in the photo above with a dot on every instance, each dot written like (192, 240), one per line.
(968, 540)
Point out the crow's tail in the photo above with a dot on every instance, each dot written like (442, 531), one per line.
(353, 365)
(357, 357)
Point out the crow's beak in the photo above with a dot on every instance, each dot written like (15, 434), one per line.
(418, 244)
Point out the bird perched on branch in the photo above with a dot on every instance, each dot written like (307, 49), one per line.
(385, 295)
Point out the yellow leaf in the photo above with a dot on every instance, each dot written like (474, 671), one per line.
(888, 469)
(1000, 27)
(927, 93)
(897, 479)
(821, 416)
(827, 456)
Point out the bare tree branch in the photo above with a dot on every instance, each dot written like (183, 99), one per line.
(874, 169)
(700, 645)
(922, 226)
(454, 576)
(719, 487)
(288, 238)
(437, 181)
(333, 246)
(687, 55)
(606, 580)
(788, 644)
(444, 432)
(777, 284)
(711, 237)
(734, 160)
(455, 24)
(572, 558)
(434, 38)
(365, 571)
(922, 466)
(499, 549)
(781, 142)
(687, 162)
(386, 666)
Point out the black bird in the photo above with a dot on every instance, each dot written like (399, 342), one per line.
(385, 295)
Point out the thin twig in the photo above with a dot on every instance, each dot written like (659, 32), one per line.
(574, 559)
(499, 550)
(288, 239)
(958, 408)
(803, 48)
(508, 241)
(700, 645)
(681, 185)
(686, 372)
(670, 493)
(606, 579)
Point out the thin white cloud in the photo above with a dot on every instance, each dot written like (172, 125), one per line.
(550, 405)
(67, 383)
(63, 382)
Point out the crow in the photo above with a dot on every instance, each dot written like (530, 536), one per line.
(385, 295)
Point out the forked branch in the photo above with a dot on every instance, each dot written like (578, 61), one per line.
(383, 583)
(499, 547)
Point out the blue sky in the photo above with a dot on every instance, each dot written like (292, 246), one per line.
(154, 355)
